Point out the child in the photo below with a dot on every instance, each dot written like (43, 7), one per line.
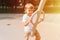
(28, 24)
(27, 20)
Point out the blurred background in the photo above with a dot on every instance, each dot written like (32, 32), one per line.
(17, 6)
(11, 26)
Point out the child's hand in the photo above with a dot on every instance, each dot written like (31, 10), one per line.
(30, 20)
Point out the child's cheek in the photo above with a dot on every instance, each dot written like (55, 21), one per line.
(27, 11)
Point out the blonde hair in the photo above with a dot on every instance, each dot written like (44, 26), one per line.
(29, 5)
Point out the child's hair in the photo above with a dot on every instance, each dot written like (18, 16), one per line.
(29, 5)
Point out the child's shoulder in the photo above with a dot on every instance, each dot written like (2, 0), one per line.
(25, 15)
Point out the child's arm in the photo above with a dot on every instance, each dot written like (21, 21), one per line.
(27, 22)
(31, 22)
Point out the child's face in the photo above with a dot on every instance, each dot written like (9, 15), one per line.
(29, 11)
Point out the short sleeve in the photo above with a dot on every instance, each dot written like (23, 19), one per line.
(24, 19)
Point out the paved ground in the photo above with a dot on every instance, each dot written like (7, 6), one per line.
(11, 27)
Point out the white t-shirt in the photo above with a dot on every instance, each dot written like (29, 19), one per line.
(29, 27)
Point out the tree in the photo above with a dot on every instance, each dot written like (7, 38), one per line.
(39, 11)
